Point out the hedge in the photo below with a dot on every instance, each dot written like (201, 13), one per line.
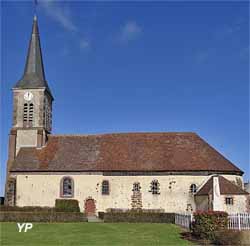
(207, 223)
(137, 216)
(61, 205)
(67, 205)
(20, 216)
(27, 208)
(122, 210)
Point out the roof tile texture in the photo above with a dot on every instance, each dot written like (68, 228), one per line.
(226, 188)
(124, 152)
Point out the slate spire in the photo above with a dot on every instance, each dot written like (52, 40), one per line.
(33, 76)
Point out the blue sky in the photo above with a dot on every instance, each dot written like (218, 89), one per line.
(137, 66)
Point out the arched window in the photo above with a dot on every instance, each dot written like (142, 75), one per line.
(67, 187)
(155, 187)
(136, 186)
(105, 187)
(193, 188)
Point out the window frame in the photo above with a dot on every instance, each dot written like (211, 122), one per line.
(105, 188)
(28, 114)
(193, 190)
(230, 199)
(31, 113)
(62, 187)
(136, 187)
(25, 114)
(155, 191)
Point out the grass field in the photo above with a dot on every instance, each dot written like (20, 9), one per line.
(92, 234)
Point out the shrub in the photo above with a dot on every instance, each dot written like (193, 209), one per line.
(20, 216)
(101, 215)
(67, 205)
(135, 216)
(27, 208)
(208, 222)
(123, 210)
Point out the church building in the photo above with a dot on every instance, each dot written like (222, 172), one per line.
(159, 171)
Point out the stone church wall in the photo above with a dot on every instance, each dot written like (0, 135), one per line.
(175, 195)
(37, 100)
(202, 203)
(239, 204)
(26, 138)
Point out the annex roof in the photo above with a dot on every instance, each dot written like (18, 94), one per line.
(226, 188)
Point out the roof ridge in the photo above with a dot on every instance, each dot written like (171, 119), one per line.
(123, 133)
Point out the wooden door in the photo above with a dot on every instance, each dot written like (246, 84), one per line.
(90, 207)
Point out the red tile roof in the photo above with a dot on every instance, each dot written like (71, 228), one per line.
(226, 188)
(124, 152)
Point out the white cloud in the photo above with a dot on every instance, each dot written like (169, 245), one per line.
(130, 31)
(60, 13)
(217, 37)
(84, 44)
(230, 30)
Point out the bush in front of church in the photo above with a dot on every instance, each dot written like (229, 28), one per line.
(67, 205)
(207, 223)
(26, 209)
(136, 216)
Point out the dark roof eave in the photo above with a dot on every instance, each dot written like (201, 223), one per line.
(103, 170)
(229, 193)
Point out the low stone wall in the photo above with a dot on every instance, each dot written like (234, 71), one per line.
(138, 217)
(232, 237)
(245, 237)
(19, 216)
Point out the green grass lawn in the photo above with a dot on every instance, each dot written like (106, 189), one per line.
(92, 234)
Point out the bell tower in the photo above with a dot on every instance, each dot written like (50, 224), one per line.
(32, 104)
(32, 99)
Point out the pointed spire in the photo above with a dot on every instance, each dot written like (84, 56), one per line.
(34, 76)
(34, 62)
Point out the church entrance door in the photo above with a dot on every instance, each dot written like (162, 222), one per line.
(89, 207)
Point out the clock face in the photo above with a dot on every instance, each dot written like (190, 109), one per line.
(28, 96)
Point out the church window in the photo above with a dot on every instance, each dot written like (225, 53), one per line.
(105, 187)
(25, 113)
(31, 108)
(67, 187)
(229, 201)
(193, 188)
(155, 187)
(136, 186)
(28, 110)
